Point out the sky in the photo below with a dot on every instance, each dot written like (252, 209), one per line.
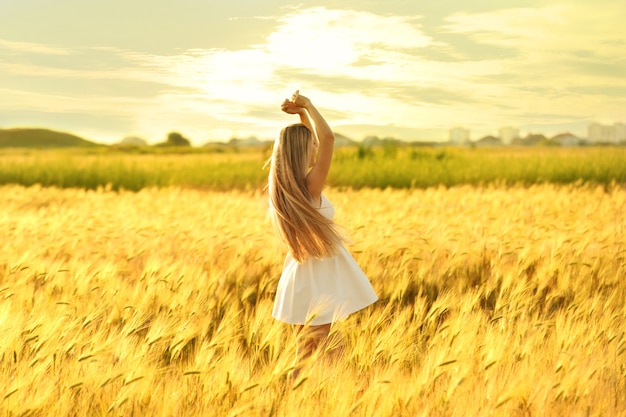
(213, 70)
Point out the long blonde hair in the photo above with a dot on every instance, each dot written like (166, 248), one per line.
(303, 228)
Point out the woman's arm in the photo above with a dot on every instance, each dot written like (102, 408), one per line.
(306, 120)
(318, 173)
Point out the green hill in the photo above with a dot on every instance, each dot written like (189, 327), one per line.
(40, 138)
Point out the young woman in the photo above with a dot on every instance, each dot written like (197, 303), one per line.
(321, 282)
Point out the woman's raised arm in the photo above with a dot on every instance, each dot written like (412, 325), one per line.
(318, 173)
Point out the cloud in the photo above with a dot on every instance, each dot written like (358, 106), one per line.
(333, 41)
(555, 53)
(307, 49)
(61, 103)
(555, 36)
(362, 67)
(482, 70)
(29, 47)
(508, 27)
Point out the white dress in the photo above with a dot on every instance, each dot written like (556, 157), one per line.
(321, 291)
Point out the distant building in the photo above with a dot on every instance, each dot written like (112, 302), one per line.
(566, 139)
(459, 136)
(620, 132)
(599, 133)
(508, 135)
(594, 132)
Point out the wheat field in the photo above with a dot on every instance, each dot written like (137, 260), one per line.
(494, 301)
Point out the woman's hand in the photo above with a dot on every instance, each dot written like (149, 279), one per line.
(297, 105)
(300, 101)
(290, 108)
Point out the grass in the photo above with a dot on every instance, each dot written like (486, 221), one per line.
(352, 168)
(494, 301)
(131, 171)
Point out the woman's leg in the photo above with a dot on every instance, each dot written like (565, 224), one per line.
(309, 339)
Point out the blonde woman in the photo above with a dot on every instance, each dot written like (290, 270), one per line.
(321, 282)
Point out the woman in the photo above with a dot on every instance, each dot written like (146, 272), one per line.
(321, 282)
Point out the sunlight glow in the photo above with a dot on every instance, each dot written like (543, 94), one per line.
(333, 41)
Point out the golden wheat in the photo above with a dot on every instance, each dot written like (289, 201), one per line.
(494, 301)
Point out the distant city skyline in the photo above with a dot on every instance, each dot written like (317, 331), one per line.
(596, 133)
